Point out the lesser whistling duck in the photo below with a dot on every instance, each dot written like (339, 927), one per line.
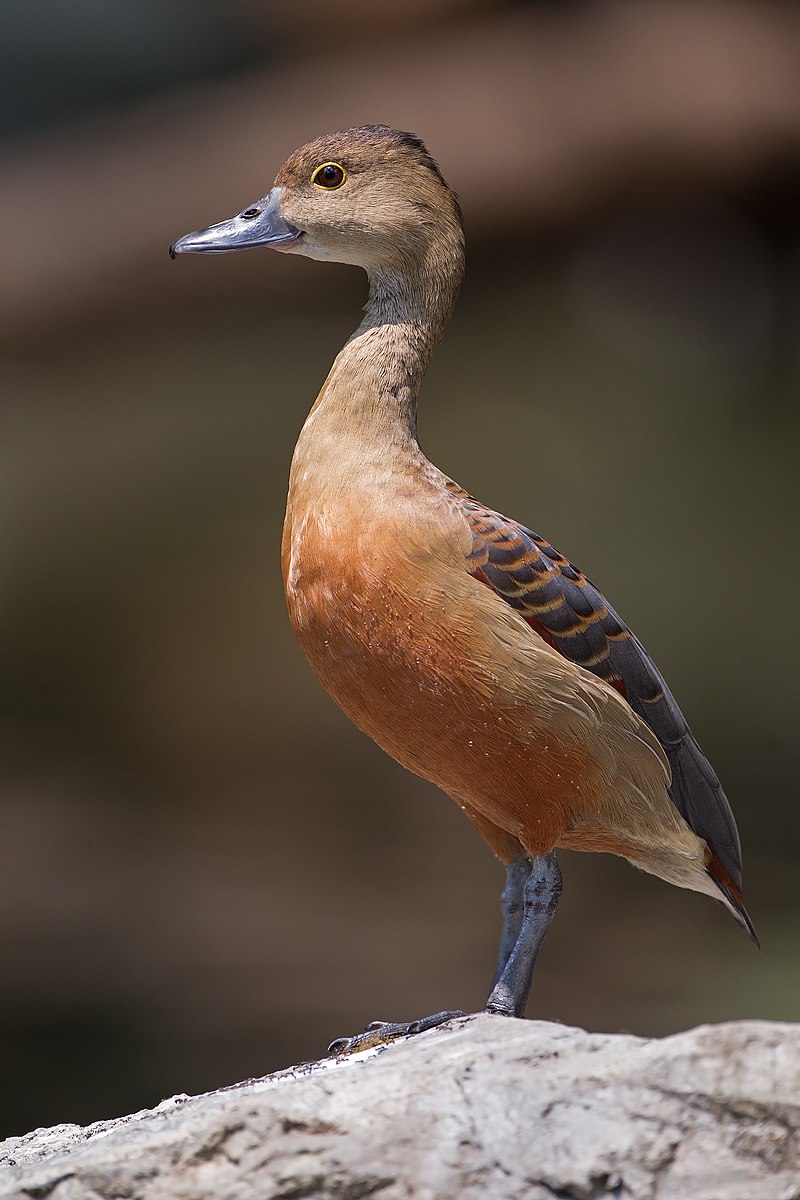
(462, 642)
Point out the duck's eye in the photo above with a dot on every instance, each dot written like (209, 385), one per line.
(329, 176)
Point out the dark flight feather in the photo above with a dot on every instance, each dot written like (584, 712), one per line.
(568, 611)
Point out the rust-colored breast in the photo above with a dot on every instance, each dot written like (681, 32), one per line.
(394, 637)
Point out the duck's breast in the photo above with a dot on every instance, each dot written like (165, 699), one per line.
(393, 627)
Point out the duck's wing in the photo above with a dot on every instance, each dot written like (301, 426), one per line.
(569, 612)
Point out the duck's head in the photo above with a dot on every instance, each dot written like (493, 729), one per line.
(370, 196)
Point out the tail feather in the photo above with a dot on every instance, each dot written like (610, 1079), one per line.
(733, 896)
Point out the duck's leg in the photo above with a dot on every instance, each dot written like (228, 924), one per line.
(540, 895)
(528, 902)
(511, 906)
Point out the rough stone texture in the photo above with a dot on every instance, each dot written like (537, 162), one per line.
(484, 1107)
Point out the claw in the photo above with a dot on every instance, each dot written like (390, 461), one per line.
(338, 1045)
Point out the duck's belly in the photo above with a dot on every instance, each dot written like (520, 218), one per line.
(411, 665)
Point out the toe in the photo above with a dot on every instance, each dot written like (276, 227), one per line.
(379, 1033)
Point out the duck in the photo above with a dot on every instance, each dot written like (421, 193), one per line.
(463, 643)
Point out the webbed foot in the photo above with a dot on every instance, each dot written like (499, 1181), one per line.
(378, 1033)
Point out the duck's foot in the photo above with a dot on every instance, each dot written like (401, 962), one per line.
(378, 1033)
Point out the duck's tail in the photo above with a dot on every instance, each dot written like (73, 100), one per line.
(732, 896)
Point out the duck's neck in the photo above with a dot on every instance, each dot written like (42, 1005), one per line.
(366, 412)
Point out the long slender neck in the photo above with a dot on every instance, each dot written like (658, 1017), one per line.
(368, 403)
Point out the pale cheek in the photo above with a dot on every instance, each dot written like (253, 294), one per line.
(290, 248)
(308, 248)
(354, 256)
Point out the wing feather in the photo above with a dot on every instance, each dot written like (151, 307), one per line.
(565, 608)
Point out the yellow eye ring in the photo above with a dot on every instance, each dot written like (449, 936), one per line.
(329, 176)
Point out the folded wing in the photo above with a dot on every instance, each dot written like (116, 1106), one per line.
(568, 611)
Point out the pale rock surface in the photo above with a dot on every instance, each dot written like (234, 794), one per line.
(485, 1107)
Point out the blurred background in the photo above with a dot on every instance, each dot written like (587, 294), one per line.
(205, 872)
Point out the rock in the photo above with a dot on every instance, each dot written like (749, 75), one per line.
(485, 1107)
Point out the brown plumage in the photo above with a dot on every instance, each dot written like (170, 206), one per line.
(467, 647)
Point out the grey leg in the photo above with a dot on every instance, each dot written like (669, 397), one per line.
(540, 892)
(511, 905)
(528, 901)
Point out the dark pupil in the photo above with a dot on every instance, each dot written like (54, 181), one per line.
(331, 174)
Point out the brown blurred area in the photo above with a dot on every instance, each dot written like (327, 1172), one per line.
(205, 871)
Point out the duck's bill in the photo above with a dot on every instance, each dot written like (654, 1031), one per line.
(259, 225)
